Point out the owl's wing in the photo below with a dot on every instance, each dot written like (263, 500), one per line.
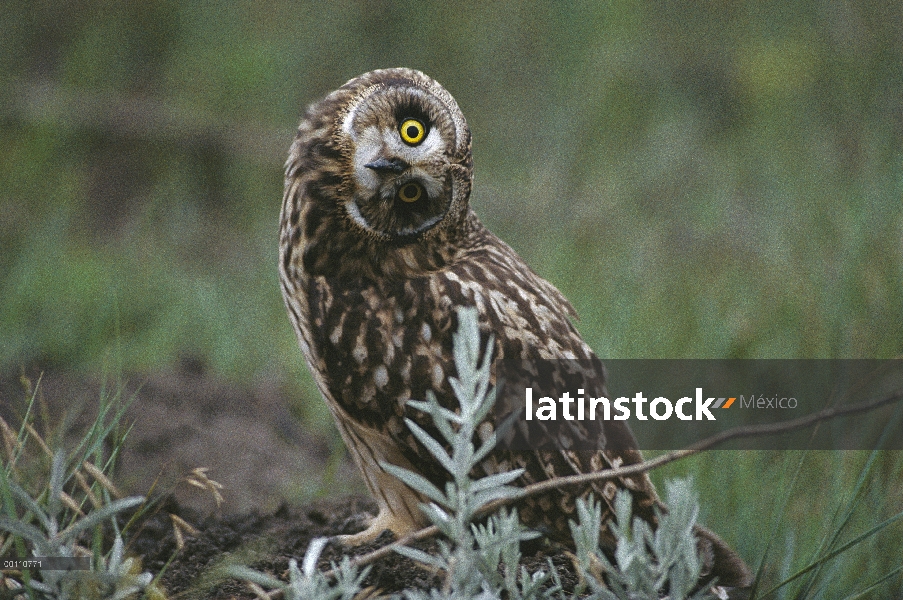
(536, 346)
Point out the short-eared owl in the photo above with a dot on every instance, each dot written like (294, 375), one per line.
(378, 247)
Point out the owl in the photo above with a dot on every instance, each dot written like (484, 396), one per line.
(378, 249)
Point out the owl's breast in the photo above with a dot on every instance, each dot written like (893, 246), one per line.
(377, 344)
(380, 345)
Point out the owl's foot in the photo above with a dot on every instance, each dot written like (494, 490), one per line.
(381, 522)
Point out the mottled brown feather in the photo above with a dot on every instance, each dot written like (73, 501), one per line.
(372, 286)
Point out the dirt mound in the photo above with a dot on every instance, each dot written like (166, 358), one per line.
(268, 542)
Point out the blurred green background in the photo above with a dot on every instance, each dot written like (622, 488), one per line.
(710, 179)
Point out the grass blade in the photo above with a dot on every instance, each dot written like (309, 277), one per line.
(852, 543)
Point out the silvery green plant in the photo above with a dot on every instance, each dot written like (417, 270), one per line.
(647, 563)
(480, 561)
(52, 531)
(307, 583)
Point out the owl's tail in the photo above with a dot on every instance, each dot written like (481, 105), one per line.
(720, 561)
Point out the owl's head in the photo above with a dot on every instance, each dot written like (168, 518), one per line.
(392, 151)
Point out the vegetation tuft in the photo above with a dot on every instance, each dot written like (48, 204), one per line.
(67, 514)
(482, 560)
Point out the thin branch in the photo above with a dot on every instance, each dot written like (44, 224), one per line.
(745, 431)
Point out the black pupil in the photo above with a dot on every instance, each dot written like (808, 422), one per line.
(410, 190)
(413, 131)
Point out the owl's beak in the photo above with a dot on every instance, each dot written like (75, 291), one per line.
(391, 165)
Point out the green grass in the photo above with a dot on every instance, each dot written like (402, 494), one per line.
(731, 189)
(782, 507)
(61, 503)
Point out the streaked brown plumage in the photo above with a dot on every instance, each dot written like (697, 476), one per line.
(378, 246)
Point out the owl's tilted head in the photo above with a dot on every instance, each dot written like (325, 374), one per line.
(402, 134)
(385, 158)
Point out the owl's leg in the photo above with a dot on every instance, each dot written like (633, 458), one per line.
(399, 506)
(399, 509)
(381, 522)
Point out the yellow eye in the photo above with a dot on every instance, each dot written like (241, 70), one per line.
(412, 131)
(410, 192)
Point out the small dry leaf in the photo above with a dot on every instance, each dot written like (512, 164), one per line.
(368, 593)
(39, 439)
(10, 440)
(83, 484)
(102, 479)
(180, 525)
(184, 525)
(71, 503)
(259, 592)
(180, 539)
(198, 478)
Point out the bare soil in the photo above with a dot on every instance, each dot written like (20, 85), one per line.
(259, 451)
